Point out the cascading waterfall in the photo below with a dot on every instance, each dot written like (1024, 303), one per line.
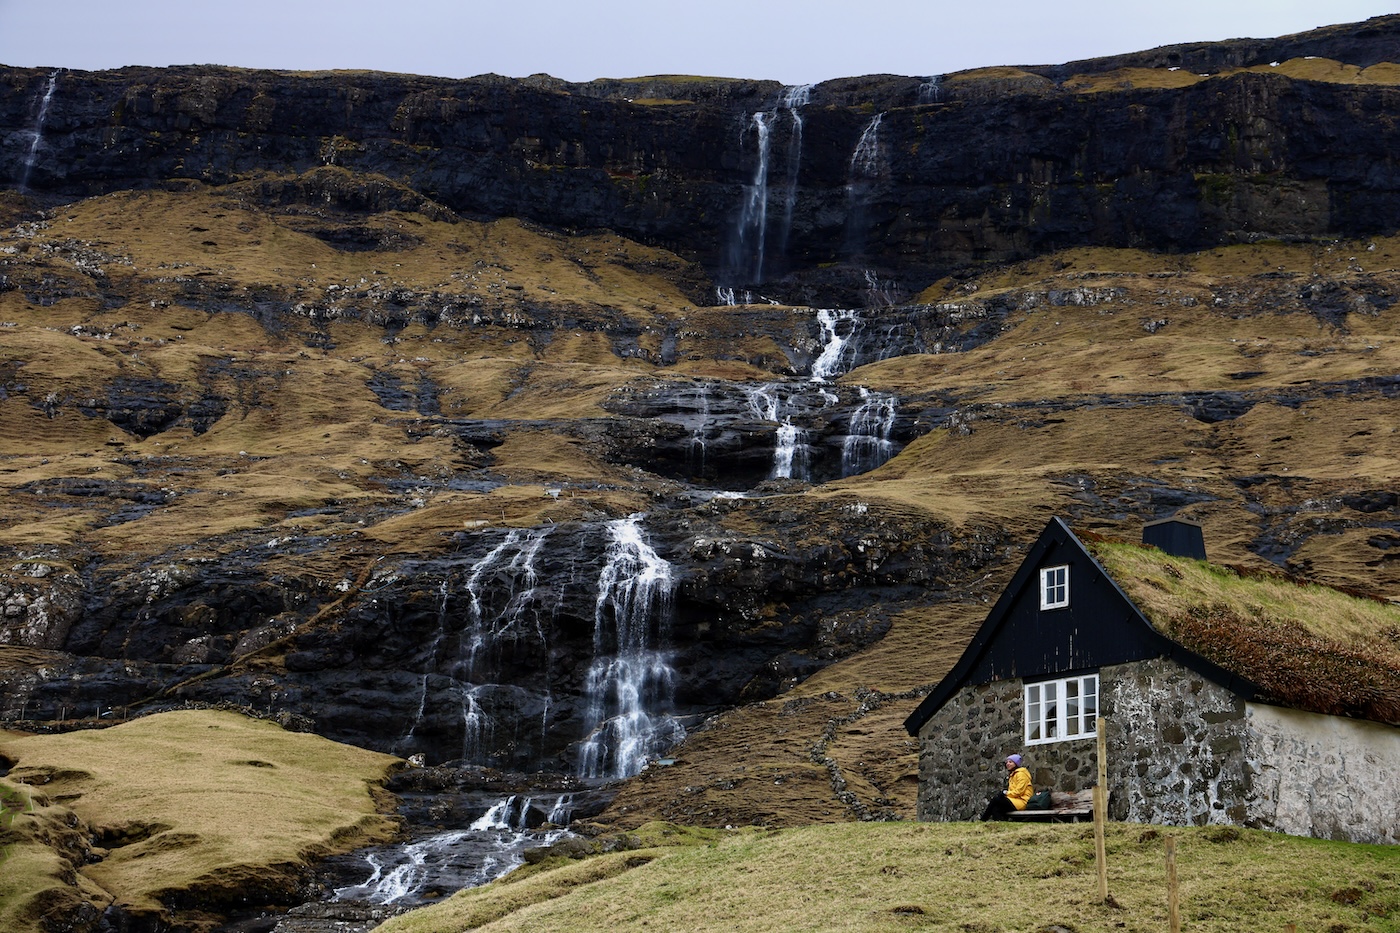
(507, 609)
(790, 457)
(868, 442)
(866, 161)
(38, 134)
(493, 845)
(835, 344)
(630, 684)
(431, 664)
(931, 91)
(511, 608)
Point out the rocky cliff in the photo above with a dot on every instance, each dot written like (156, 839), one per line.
(802, 192)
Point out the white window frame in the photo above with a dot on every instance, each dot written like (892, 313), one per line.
(1054, 587)
(1061, 710)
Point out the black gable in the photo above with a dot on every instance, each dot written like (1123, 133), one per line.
(1099, 626)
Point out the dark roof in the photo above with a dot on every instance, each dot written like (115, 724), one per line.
(1110, 637)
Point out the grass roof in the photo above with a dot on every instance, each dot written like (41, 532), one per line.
(1306, 645)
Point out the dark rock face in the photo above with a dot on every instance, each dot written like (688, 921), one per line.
(488, 655)
(975, 172)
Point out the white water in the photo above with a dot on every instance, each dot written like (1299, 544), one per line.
(444, 862)
(38, 133)
(793, 100)
(753, 212)
(790, 445)
(835, 343)
(866, 160)
(630, 685)
(749, 250)
(931, 91)
(868, 441)
(695, 451)
(506, 603)
(507, 606)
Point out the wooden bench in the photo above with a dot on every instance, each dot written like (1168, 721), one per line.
(1068, 807)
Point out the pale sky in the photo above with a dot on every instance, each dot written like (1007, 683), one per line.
(795, 43)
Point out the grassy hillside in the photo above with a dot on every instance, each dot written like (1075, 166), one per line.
(181, 814)
(971, 878)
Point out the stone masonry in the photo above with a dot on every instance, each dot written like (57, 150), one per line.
(1182, 751)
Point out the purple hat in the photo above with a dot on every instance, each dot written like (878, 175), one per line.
(1014, 759)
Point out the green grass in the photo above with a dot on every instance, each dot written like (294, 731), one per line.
(950, 876)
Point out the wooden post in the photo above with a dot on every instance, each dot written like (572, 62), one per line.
(1101, 813)
(1100, 726)
(1173, 913)
(1100, 856)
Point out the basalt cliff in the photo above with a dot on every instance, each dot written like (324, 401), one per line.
(539, 427)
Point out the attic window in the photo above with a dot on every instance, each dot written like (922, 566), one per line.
(1054, 587)
(1059, 710)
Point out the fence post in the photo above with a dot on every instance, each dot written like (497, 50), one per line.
(1101, 812)
(1173, 912)
(1100, 726)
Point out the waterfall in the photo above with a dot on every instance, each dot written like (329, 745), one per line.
(793, 100)
(695, 450)
(868, 441)
(507, 609)
(931, 91)
(630, 684)
(828, 363)
(509, 813)
(38, 131)
(879, 293)
(748, 249)
(562, 812)
(867, 165)
(417, 872)
(790, 442)
(749, 241)
(865, 160)
(790, 452)
(511, 610)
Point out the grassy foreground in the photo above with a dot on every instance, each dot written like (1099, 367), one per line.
(183, 813)
(947, 876)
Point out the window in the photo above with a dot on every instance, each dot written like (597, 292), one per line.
(1054, 587)
(1059, 710)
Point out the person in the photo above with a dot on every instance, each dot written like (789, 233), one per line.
(1017, 794)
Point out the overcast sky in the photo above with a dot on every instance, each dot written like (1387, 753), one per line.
(795, 43)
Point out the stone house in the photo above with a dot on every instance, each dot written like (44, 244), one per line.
(1189, 741)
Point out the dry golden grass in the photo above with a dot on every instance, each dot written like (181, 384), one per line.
(203, 800)
(229, 234)
(1123, 79)
(946, 877)
(1331, 71)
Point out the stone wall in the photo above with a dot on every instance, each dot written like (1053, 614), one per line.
(1175, 749)
(1176, 746)
(1324, 776)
